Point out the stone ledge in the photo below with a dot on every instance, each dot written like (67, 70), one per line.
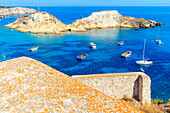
(111, 75)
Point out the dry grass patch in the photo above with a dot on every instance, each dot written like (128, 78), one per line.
(145, 107)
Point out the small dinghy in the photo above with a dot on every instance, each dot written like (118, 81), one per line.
(142, 70)
(92, 45)
(136, 29)
(33, 49)
(82, 57)
(144, 62)
(127, 54)
(120, 43)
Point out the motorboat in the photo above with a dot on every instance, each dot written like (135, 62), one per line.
(34, 48)
(144, 62)
(92, 45)
(82, 57)
(158, 41)
(121, 43)
(127, 54)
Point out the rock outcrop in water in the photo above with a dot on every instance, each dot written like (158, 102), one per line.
(110, 19)
(4, 12)
(42, 22)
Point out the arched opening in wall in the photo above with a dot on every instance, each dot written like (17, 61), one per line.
(138, 89)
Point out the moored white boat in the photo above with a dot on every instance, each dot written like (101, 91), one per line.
(159, 42)
(34, 48)
(120, 43)
(92, 45)
(144, 62)
(127, 54)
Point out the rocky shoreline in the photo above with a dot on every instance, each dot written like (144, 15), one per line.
(43, 22)
(5, 11)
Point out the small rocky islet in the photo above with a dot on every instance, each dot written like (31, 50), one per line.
(7, 11)
(43, 22)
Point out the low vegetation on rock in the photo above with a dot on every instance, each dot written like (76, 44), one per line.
(4, 7)
(156, 106)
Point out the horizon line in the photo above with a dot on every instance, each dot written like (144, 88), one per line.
(90, 5)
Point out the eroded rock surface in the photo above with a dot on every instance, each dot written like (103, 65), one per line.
(40, 22)
(110, 19)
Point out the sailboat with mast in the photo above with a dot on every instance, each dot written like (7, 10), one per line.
(158, 41)
(144, 62)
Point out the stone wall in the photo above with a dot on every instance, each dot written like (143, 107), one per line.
(29, 86)
(130, 85)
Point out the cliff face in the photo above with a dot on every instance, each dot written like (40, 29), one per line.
(109, 19)
(103, 19)
(15, 11)
(42, 22)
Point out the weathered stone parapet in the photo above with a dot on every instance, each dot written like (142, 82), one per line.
(119, 85)
(27, 85)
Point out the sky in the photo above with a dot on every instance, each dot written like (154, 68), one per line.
(85, 2)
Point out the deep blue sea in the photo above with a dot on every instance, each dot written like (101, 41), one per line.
(60, 52)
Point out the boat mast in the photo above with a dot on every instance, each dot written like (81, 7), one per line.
(38, 8)
(144, 49)
(157, 34)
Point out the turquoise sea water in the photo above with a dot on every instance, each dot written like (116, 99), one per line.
(60, 52)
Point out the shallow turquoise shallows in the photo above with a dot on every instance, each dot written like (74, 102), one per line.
(60, 52)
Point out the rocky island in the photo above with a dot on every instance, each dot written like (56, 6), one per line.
(6, 11)
(43, 22)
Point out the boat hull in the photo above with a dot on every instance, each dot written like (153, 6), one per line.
(79, 58)
(143, 62)
(120, 43)
(92, 45)
(33, 49)
(126, 55)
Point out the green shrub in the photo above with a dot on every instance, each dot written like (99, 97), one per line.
(169, 100)
(157, 101)
(4, 7)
